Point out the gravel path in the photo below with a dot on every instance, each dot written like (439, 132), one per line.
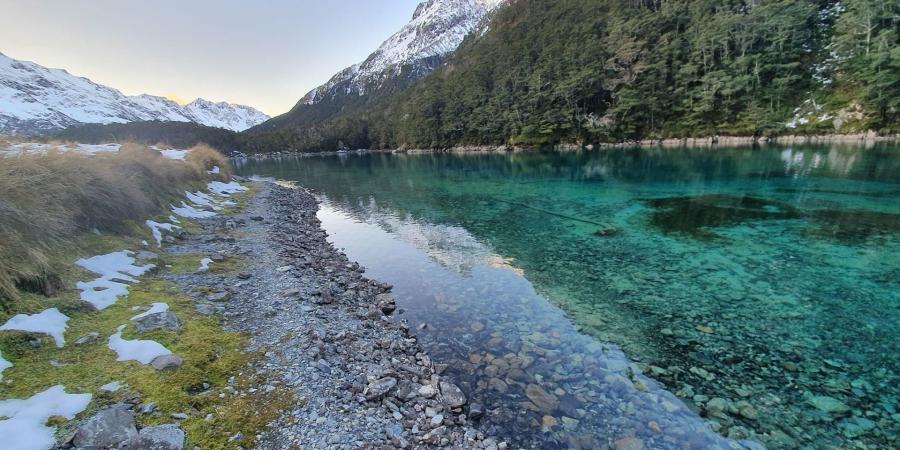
(360, 379)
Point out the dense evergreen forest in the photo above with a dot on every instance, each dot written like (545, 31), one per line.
(586, 71)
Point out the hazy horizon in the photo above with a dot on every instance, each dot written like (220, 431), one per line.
(265, 56)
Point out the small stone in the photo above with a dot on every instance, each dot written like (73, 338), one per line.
(293, 292)
(147, 408)
(437, 420)
(705, 329)
(179, 416)
(453, 396)
(548, 422)
(477, 326)
(245, 276)
(93, 336)
(160, 321)
(284, 269)
(427, 391)
(653, 425)
(219, 296)
(379, 388)
(629, 443)
(476, 411)
(828, 405)
(161, 437)
(167, 362)
(544, 400)
(257, 218)
(108, 428)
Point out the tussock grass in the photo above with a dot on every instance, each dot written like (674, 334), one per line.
(48, 200)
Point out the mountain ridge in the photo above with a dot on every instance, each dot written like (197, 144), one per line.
(38, 99)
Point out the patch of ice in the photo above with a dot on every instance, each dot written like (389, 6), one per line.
(111, 387)
(4, 364)
(224, 189)
(155, 308)
(50, 322)
(190, 212)
(115, 270)
(157, 228)
(204, 264)
(214, 171)
(173, 219)
(25, 427)
(142, 351)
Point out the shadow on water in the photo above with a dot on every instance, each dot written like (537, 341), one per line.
(759, 286)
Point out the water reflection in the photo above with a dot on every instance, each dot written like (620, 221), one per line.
(541, 382)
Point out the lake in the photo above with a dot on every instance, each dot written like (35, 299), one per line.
(629, 298)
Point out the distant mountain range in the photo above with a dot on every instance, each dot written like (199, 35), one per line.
(37, 99)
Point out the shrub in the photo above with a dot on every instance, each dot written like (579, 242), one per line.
(48, 200)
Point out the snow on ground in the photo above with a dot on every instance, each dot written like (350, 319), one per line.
(204, 199)
(25, 429)
(114, 269)
(36, 148)
(191, 212)
(50, 322)
(4, 364)
(204, 264)
(172, 153)
(214, 171)
(224, 189)
(157, 228)
(142, 351)
(155, 308)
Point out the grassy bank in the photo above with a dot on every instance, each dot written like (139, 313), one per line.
(57, 207)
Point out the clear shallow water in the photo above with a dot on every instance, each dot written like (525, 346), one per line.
(759, 286)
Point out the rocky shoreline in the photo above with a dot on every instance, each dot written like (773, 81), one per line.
(326, 332)
(710, 141)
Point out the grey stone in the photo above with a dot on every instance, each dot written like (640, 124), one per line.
(108, 428)
(828, 405)
(380, 387)
(453, 395)
(160, 321)
(93, 336)
(161, 437)
(166, 362)
(219, 297)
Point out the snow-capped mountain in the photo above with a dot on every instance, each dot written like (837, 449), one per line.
(435, 31)
(35, 99)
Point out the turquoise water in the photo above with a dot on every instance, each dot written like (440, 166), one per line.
(674, 296)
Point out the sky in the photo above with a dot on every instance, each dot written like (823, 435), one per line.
(263, 53)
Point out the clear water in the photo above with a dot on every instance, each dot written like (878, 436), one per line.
(686, 298)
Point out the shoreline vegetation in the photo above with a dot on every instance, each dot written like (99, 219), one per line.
(190, 336)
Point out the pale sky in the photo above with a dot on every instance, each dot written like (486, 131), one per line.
(263, 53)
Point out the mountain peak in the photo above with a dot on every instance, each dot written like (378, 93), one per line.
(436, 30)
(37, 99)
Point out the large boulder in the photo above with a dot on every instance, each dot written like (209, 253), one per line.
(159, 321)
(161, 437)
(109, 428)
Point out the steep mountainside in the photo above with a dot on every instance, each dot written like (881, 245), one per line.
(35, 99)
(437, 28)
(587, 71)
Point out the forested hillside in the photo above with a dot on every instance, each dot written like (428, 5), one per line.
(549, 71)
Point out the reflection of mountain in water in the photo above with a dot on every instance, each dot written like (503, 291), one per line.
(453, 247)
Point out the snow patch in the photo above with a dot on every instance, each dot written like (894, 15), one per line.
(50, 322)
(111, 387)
(225, 189)
(115, 270)
(142, 351)
(157, 228)
(155, 308)
(204, 264)
(25, 427)
(172, 153)
(214, 171)
(191, 212)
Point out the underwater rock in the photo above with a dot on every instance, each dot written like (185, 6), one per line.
(544, 400)
(828, 405)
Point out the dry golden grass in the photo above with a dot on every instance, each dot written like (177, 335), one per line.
(48, 200)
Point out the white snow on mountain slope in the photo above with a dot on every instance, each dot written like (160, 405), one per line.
(436, 30)
(34, 98)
